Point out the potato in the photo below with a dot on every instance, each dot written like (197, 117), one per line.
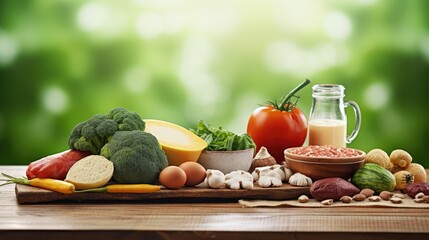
(332, 188)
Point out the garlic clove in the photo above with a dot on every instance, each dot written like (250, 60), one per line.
(262, 154)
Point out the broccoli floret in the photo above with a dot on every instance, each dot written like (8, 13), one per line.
(94, 133)
(127, 121)
(136, 155)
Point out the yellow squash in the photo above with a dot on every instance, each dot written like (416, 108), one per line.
(179, 144)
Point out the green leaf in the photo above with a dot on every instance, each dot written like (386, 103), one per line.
(219, 139)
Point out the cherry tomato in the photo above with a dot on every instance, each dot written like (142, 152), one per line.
(279, 126)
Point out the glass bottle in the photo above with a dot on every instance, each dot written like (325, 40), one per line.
(328, 120)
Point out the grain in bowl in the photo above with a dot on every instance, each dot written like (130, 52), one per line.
(324, 161)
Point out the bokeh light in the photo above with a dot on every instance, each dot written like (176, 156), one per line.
(8, 48)
(149, 25)
(92, 16)
(376, 96)
(338, 25)
(54, 99)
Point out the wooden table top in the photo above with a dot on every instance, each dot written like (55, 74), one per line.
(200, 220)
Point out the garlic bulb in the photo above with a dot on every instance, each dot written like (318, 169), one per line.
(300, 180)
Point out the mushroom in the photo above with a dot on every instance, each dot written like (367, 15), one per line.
(239, 179)
(400, 159)
(270, 179)
(262, 159)
(271, 176)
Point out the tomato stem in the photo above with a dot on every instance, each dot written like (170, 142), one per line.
(286, 104)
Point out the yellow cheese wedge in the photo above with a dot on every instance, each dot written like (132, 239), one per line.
(179, 144)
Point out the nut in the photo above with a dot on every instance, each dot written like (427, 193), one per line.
(346, 199)
(359, 197)
(398, 195)
(303, 199)
(328, 202)
(386, 195)
(367, 192)
(419, 200)
(374, 199)
(419, 195)
(396, 200)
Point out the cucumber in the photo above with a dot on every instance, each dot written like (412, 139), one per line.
(374, 177)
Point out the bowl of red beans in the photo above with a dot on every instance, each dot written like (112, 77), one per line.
(319, 162)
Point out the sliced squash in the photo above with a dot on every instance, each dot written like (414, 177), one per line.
(179, 144)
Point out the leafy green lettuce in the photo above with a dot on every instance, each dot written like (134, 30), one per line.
(219, 139)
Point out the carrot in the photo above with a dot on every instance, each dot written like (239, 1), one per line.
(67, 188)
(125, 188)
(45, 183)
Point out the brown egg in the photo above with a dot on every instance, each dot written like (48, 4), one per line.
(172, 177)
(195, 173)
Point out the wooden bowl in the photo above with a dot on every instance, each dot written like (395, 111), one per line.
(227, 161)
(288, 154)
(320, 170)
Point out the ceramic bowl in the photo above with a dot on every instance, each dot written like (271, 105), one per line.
(320, 170)
(227, 161)
(288, 154)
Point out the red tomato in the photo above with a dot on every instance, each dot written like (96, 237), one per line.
(279, 126)
(277, 130)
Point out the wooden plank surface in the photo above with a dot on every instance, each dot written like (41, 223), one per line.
(27, 194)
(137, 220)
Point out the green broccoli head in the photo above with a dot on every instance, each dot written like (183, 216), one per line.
(94, 133)
(127, 121)
(136, 155)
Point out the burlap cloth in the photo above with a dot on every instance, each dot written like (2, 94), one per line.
(407, 203)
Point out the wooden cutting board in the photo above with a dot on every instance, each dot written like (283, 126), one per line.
(30, 195)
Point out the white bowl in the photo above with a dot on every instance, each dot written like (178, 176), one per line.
(227, 161)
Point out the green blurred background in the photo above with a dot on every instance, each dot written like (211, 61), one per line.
(63, 61)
